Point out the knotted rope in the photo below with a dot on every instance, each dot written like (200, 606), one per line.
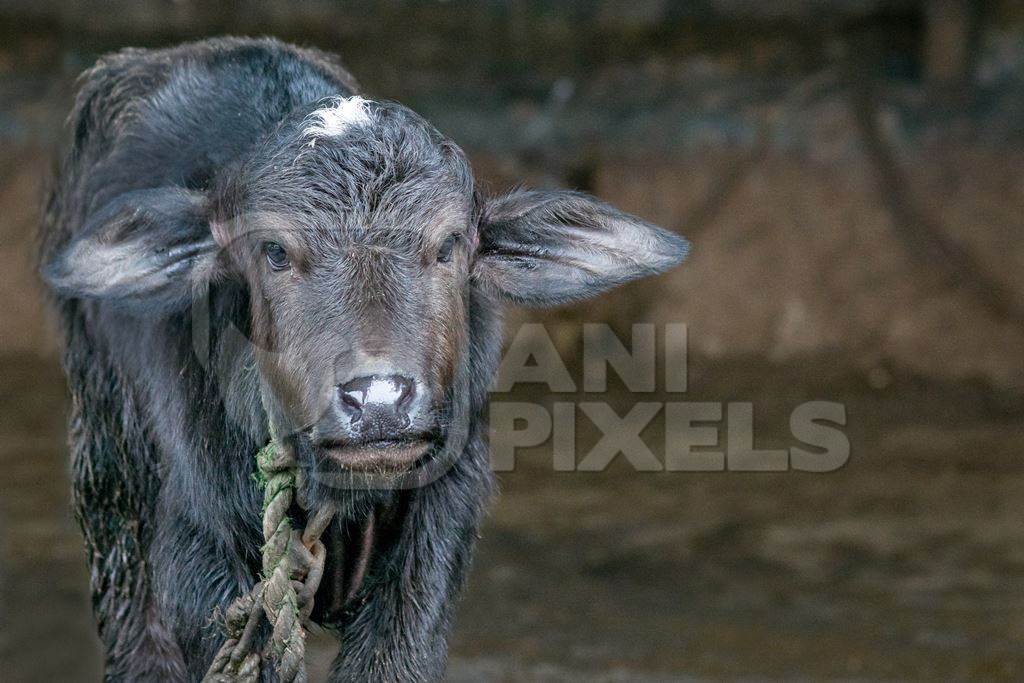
(293, 564)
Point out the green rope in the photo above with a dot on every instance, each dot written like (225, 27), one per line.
(292, 564)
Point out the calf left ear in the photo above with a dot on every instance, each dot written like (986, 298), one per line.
(143, 247)
(548, 248)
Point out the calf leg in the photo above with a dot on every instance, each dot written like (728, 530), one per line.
(398, 630)
(195, 577)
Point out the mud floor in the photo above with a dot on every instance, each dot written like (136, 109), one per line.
(908, 563)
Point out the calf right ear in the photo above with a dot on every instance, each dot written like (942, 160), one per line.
(548, 248)
(144, 247)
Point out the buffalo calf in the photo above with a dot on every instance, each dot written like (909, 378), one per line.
(237, 240)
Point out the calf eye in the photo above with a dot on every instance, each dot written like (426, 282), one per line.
(444, 254)
(277, 257)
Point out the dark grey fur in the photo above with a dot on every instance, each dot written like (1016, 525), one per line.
(179, 159)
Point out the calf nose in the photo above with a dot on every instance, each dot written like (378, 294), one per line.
(381, 403)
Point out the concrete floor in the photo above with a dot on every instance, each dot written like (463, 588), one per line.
(906, 564)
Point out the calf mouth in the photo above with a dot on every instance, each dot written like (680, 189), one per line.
(378, 456)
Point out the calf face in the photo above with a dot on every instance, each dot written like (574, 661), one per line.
(360, 243)
(351, 228)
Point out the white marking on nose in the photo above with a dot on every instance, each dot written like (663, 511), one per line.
(383, 391)
(338, 117)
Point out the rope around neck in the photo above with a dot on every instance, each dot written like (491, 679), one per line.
(293, 565)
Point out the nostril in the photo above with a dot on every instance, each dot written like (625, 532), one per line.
(407, 390)
(351, 401)
(352, 397)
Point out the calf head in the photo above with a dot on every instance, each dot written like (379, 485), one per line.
(360, 245)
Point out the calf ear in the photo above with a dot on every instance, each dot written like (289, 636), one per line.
(548, 248)
(143, 247)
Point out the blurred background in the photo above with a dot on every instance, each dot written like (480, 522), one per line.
(851, 175)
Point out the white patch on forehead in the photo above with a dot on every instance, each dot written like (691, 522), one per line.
(335, 119)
